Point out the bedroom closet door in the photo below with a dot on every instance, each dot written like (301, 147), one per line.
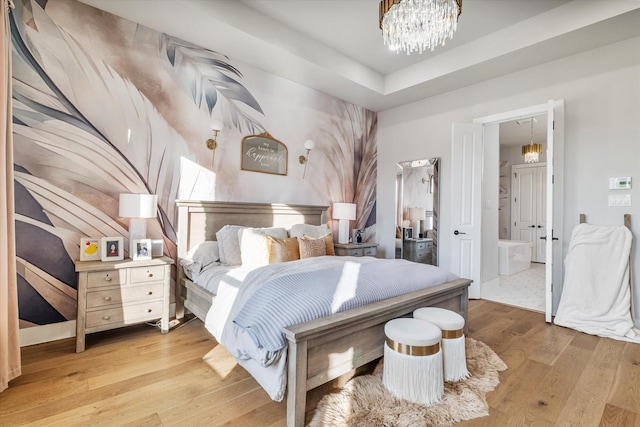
(529, 207)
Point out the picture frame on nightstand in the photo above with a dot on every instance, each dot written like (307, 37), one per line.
(142, 250)
(112, 248)
(90, 249)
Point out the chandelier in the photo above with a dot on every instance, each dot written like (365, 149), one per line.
(418, 25)
(531, 151)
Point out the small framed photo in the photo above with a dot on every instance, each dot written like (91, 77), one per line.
(358, 235)
(90, 249)
(112, 249)
(142, 249)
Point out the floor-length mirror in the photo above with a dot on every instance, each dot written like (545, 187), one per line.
(417, 199)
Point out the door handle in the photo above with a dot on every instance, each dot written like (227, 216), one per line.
(532, 226)
(456, 232)
(539, 226)
(545, 238)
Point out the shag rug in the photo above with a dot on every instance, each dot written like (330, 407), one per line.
(364, 401)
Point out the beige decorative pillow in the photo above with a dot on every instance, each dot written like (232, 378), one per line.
(282, 250)
(328, 240)
(312, 247)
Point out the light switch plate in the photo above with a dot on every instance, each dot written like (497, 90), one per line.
(620, 200)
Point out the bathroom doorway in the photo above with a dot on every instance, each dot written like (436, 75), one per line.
(521, 216)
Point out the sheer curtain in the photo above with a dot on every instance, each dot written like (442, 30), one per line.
(9, 328)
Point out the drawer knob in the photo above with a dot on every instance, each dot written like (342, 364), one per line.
(106, 317)
(107, 298)
(149, 310)
(107, 278)
(150, 274)
(150, 293)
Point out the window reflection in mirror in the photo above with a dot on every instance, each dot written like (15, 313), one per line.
(417, 200)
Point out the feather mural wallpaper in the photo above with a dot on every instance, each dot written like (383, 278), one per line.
(103, 106)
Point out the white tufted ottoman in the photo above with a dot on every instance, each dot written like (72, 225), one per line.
(453, 351)
(413, 361)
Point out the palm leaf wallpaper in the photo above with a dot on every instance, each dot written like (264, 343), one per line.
(103, 106)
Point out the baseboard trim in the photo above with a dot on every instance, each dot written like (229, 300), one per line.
(58, 331)
(46, 333)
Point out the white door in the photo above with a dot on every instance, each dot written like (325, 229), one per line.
(528, 207)
(549, 237)
(523, 204)
(466, 203)
(541, 214)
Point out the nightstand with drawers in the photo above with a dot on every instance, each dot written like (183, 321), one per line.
(120, 293)
(355, 249)
(418, 250)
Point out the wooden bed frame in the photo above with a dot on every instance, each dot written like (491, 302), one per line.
(323, 349)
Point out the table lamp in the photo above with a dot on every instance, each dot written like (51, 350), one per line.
(344, 212)
(137, 207)
(416, 215)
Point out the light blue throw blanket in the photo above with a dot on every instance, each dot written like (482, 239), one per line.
(301, 297)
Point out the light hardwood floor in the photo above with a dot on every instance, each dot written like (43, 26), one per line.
(138, 377)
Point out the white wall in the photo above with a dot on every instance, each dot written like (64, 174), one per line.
(601, 88)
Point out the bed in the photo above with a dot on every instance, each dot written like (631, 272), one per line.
(320, 350)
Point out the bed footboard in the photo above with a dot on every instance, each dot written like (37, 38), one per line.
(324, 349)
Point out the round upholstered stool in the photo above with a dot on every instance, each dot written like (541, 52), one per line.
(413, 361)
(453, 351)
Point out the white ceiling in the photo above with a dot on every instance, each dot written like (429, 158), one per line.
(336, 46)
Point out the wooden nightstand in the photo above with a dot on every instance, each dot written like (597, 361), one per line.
(356, 249)
(418, 250)
(120, 293)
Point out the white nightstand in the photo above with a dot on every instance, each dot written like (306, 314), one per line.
(355, 249)
(121, 293)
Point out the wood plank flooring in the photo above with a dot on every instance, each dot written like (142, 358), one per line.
(138, 377)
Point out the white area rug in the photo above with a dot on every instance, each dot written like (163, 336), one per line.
(365, 402)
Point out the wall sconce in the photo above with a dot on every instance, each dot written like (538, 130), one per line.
(216, 127)
(308, 145)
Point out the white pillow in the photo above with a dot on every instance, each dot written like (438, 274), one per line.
(229, 244)
(199, 257)
(313, 231)
(254, 250)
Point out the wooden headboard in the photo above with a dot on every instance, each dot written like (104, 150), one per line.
(199, 220)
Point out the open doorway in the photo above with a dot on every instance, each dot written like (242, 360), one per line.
(474, 210)
(521, 215)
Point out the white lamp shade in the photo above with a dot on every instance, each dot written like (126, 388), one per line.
(416, 214)
(217, 125)
(138, 205)
(309, 144)
(344, 211)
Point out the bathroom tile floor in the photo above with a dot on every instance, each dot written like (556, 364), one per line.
(524, 289)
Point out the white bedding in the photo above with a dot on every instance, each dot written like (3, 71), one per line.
(237, 285)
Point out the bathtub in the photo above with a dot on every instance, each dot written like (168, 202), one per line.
(514, 256)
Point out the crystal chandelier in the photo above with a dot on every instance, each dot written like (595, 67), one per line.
(531, 151)
(418, 25)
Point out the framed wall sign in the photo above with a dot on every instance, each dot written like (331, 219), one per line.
(112, 249)
(263, 153)
(90, 249)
